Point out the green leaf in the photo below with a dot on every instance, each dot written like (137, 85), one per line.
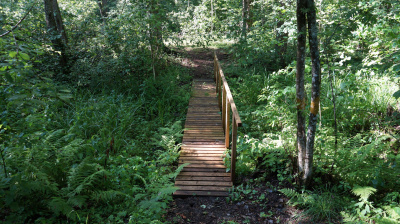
(9, 78)
(12, 54)
(396, 94)
(397, 210)
(24, 56)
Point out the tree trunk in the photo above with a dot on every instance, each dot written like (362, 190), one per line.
(300, 91)
(249, 19)
(59, 22)
(315, 90)
(306, 13)
(244, 19)
(156, 38)
(281, 37)
(104, 8)
(56, 30)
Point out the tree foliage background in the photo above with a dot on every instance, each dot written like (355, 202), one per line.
(96, 139)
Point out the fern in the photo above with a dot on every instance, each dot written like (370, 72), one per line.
(60, 206)
(363, 192)
(109, 196)
(296, 198)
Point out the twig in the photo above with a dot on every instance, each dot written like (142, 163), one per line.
(19, 22)
(4, 163)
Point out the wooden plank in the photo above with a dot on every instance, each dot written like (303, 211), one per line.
(195, 149)
(205, 162)
(200, 158)
(203, 183)
(205, 170)
(202, 193)
(195, 165)
(203, 188)
(193, 154)
(192, 178)
(203, 138)
(221, 143)
(204, 174)
(203, 134)
(202, 146)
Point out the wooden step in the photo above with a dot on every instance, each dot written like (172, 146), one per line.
(203, 146)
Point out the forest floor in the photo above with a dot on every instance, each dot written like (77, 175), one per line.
(254, 202)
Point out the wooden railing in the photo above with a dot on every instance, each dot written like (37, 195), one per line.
(227, 105)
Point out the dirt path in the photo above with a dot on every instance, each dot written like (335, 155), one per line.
(200, 61)
(253, 202)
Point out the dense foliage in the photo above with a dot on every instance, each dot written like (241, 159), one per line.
(97, 141)
(100, 145)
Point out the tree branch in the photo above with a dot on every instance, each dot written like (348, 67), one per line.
(19, 22)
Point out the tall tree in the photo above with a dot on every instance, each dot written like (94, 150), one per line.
(246, 17)
(104, 8)
(281, 35)
(306, 14)
(55, 27)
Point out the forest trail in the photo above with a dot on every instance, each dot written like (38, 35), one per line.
(237, 207)
(203, 145)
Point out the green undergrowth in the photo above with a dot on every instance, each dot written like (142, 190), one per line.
(87, 156)
(366, 153)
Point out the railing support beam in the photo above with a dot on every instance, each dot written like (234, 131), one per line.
(226, 105)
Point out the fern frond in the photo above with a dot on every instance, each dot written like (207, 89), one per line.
(363, 192)
(60, 206)
(290, 193)
(54, 137)
(110, 195)
(166, 191)
(348, 218)
(77, 201)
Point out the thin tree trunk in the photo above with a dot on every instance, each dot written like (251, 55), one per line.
(281, 37)
(59, 22)
(212, 16)
(315, 89)
(300, 91)
(249, 19)
(50, 11)
(244, 18)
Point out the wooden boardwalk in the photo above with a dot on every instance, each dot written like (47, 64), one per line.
(203, 145)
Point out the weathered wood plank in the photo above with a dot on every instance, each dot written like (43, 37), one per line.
(203, 188)
(203, 145)
(193, 154)
(219, 173)
(192, 178)
(205, 162)
(195, 165)
(202, 193)
(203, 183)
(187, 159)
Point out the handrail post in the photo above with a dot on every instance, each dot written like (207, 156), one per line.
(233, 156)
(224, 108)
(219, 86)
(215, 69)
(227, 119)
(226, 105)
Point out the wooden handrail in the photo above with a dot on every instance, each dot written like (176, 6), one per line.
(226, 105)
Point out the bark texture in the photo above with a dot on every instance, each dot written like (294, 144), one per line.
(104, 8)
(306, 14)
(300, 91)
(281, 37)
(244, 18)
(55, 28)
(315, 90)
